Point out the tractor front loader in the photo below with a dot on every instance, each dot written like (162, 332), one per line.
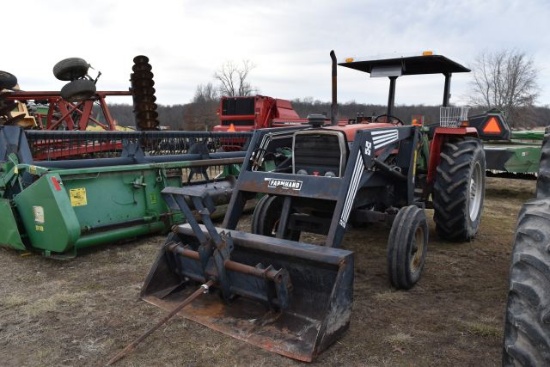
(295, 298)
(289, 297)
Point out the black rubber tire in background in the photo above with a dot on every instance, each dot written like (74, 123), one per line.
(543, 179)
(71, 69)
(527, 321)
(7, 80)
(459, 189)
(407, 247)
(78, 90)
(266, 215)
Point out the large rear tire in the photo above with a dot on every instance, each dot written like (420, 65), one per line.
(266, 216)
(459, 189)
(407, 247)
(527, 323)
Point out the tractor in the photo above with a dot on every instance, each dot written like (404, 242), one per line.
(273, 290)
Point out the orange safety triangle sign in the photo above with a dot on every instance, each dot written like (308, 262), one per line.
(492, 126)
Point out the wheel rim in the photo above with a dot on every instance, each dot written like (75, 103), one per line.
(475, 192)
(417, 250)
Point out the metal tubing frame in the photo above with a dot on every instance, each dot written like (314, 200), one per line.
(362, 171)
(67, 108)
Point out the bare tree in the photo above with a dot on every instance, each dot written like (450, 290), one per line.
(200, 114)
(205, 93)
(233, 79)
(507, 81)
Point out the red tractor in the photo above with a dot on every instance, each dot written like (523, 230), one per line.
(295, 298)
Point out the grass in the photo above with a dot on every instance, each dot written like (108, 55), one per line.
(13, 301)
(483, 329)
(482, 326)
(389, 296)
(400, 339)
(54, 303)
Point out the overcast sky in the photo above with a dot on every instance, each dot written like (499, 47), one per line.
(288, 41)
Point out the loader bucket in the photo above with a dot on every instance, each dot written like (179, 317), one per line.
(299, 324)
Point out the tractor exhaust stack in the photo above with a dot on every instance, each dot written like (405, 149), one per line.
(334, 105)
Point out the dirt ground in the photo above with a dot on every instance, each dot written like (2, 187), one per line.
(83, 311)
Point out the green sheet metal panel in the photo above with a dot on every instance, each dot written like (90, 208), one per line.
(514, 158)
(47, 215)
(105, 197)
(524, 160)
(9, 235)
(533, 135)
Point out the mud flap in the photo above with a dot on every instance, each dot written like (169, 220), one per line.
(300, 325)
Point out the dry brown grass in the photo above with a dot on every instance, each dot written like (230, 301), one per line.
(83, 311)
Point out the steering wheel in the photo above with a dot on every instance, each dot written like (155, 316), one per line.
(390, 119)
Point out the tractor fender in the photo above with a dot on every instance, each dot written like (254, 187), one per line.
(440, 135)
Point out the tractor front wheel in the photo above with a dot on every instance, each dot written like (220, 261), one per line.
(266, 217)
(459, 189)
(527, 324)
(407, 247)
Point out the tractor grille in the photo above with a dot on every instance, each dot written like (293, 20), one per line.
(319, 153)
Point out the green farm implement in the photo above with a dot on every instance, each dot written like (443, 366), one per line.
(60, 206)
(508, 153)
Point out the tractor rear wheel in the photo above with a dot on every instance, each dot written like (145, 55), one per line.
(459, 189)
(527, 324)
(266, 216)
(7, 80)
(407, 247)
(78, 90)
(71, 69)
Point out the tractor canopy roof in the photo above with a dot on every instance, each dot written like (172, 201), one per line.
(392, 68)
(411, 65)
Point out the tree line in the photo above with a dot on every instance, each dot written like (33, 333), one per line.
(504, 80)
(203, 116)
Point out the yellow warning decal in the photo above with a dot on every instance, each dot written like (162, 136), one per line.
(78, 197)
